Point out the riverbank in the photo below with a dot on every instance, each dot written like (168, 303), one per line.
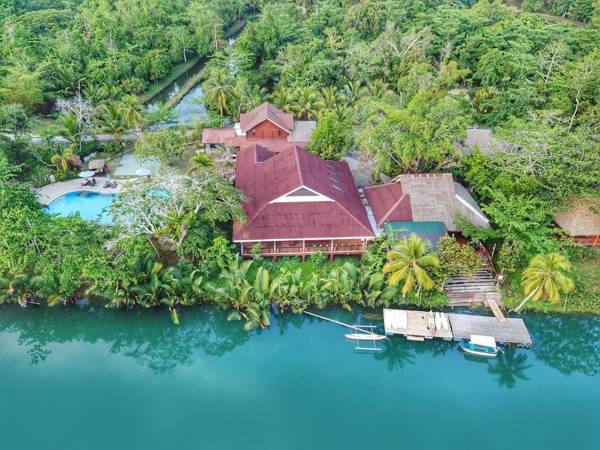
(176, 72)
(585, 300)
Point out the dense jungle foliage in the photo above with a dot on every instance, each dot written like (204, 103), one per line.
(394, 82)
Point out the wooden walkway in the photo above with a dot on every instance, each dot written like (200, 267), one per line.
(462, 326)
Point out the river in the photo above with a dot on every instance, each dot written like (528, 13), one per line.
(91, 378)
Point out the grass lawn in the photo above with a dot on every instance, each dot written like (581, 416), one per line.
(586, 299)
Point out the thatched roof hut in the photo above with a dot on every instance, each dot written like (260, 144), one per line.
(582, 219)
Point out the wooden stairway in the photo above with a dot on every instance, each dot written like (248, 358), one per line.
(463, 290)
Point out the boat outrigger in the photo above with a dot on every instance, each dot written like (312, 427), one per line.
(365, 337)
(479, 346)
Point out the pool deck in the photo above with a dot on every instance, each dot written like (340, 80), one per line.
(51, 192)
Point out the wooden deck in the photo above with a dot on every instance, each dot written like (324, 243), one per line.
(511, 331)
(417, 322)
(462, 326)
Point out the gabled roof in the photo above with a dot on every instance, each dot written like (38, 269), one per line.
(267, 178)
(433, 197)
(263, 112)
(388, 203)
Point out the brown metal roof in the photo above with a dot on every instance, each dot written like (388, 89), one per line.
(429, 197)
(265, 176)
(263, 112)
(389, 203)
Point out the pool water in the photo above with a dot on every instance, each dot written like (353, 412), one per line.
(94, 378)
(89, 205)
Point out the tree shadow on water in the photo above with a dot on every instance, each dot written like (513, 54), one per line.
(510, 366)
(397, 353)
(146, 336)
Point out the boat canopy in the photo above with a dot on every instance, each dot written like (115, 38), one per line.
(484, 341)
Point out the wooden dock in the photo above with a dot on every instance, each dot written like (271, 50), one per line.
(510, 331)
(417, 324)
(462, 326)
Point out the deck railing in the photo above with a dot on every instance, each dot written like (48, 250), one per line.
(298, 248)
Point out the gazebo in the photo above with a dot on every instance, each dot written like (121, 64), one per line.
(97, 165)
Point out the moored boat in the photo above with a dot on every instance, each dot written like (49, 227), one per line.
(365, 337)
(479, 346)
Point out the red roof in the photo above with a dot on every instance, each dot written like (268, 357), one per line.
(263, 112)
(265, 176)
(218, 135)
(389, 203)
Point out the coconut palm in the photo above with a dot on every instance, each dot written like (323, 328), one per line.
(15, 286)
(112, 120)
(131, 111)
(545, 277)
(283, 98)
(70, 129)
(200, 161)
(378, 89)
(306, 104)
(64, 160)
(332, 98)
(354, 91)
(219, 90)
(408, 261)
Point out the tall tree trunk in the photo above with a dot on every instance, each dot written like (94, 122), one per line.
(518, 308)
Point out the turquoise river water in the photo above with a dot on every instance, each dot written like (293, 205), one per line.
(91, 378)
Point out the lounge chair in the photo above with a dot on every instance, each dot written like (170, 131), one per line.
(93, 182)
(113, 184)
(86, 182)
(106, 184)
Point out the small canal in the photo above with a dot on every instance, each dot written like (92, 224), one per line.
(91, 378)
(190, 107)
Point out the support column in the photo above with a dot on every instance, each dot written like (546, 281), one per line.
(331, 251)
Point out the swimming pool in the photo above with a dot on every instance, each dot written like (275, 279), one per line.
(89, 205)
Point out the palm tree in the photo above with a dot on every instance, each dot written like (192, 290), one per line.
(70, 129)
(131, 111)
(331, 98)
(283, 98)
(63, 161)
(378, 89)
(306, 103)
(408, 262)
(112, 120)
(16, 285)
(544, 278)
(354, 92)
(200, 161)
(219, 90)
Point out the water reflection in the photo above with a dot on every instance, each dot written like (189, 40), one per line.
(145, 336)
(396, 352)
(509, 366)
(570, 344)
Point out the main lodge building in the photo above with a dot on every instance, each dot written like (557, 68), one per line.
(299, 204)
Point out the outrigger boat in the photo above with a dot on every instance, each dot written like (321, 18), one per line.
(479, 346)
(365, 337)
